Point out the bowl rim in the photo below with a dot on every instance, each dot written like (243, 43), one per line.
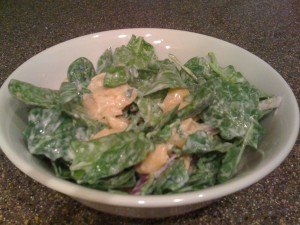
(153, 201)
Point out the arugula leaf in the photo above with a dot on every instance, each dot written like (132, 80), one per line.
(50, 132)
(33, 95)
(107, 156)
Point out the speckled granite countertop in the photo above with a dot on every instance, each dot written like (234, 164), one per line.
(269, 29)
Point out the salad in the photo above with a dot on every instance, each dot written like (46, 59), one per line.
(139, 125)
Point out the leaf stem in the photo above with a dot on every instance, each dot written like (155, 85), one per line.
(180, 65)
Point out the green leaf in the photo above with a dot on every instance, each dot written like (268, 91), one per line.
(167, 77)
(233, 108)
(80, 73)
(33, 95)
(72, 91)
(105, 61)
(204, 174)
(143, 51)
(50, 132)
(201, 68)
(107, 156)
(228, 73)
(232, 158)
(149, 107)
(116, 76)
(199, 102)
(173, 178)
(148, 186)
(125, 179)
(78, 112)
(81, 70)
(200, 142)
(61, 168)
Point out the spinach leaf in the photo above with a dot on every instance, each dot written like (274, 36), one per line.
(78, 112)
(149, 107)
(107, 156)
(204, 173)
(167, 77)
(61, 168)
(228, 73)
(165, 120)
(142, 50)
(173, 178)
(232, 158)
(33, 95)
(200, 142)
(105, 61)
(198, 103)
(144, 185)
(126, 179)
(72, 91)
(50, 132)
(116, 76)
(80, 73)
(201, 68)
(233, 108)
(81, 70)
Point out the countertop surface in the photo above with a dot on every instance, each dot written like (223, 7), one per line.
(268, 28)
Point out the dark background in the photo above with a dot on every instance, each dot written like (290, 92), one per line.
(268, 28)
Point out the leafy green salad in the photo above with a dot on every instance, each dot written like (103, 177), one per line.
(139, 125)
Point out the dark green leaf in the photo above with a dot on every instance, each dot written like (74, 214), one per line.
(167, 77)
(200, 142)
(107, 156)
(61, 168)
(204, 174)
(81, 70)
(116, 76)
(50, 132)
(105, 61)
(125, 179)
(33, 95)
(228, 73)
(72, 91)
(78, 112)
(150, 109)
(173, 178)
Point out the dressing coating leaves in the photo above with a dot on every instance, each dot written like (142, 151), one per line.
(107, 156)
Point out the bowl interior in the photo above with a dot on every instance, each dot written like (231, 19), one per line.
(49, 69)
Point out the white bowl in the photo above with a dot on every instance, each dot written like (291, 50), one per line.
(49, 68)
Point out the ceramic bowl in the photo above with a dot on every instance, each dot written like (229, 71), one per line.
(49, 69)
